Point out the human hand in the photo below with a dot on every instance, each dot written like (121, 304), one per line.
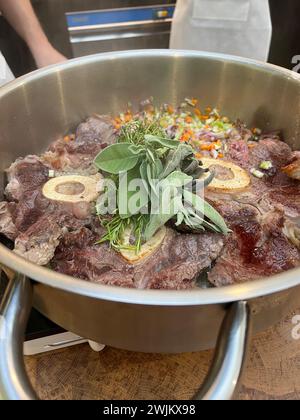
(47, 55)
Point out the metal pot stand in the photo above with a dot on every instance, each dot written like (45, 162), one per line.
(221, 382)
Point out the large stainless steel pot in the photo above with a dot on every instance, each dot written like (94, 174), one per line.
(46, 104)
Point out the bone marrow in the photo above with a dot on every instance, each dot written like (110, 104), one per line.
(227, 175)
(72, 189)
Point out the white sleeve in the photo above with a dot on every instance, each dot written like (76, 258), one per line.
(5, 72)
(236, 27)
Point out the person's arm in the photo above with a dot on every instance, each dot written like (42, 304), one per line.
(20, 14)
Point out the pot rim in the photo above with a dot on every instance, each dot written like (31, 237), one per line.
(228, 294)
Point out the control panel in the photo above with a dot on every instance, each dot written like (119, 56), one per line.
(110, 17)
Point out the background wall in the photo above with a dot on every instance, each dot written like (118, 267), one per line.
(286, 32)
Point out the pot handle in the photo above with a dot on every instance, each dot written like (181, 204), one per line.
(220, 383)
(14, 313)
(226, 370)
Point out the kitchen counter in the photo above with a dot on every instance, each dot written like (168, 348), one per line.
(273, 371)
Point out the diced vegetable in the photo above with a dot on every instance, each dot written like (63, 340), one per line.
(266, 165)
(257, 173)
(205, 130)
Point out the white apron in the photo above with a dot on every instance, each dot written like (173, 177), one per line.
(5, 72)
(237, 27)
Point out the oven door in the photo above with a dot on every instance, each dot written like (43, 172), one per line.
(120, 29)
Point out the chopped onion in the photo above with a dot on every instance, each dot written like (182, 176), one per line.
(257, 173)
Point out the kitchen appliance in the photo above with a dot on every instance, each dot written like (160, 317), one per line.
(55, 14)
(142, 320)
(122, 28)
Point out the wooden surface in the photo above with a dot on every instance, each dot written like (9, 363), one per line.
(273, 371)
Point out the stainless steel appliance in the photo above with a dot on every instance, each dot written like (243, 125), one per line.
(141, 320)
(56, 14)
(122, 28)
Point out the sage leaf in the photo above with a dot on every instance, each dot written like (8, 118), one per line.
(106, 203)
(158, 220)
(143, 171)
(180, 219)
(194, 223)
(193, 220)
(116, 158)
(157, 168)
(203, 207)
(175, 158)
(151, 179)
(191, 167)
(167, 208)
(177, 179)
(159, 141)
(211, 226)
(153, 171)
(151, 156)
(137, 150)
(133, 194)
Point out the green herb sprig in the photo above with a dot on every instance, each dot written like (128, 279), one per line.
(143, 151)
(116, 228)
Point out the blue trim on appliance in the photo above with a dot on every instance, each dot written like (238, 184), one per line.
(103, 17)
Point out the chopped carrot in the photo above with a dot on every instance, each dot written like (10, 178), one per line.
(205, 147)
(128, 117)
(188, 120)
(198, 155)
(194, 101)
(117, 123)
(170, 109)
(205, 117)
(256, 131)
(252, 145)
(208, 147)
(198, 112)
(70, 137)
(186, 136)
(208, 110)
(221, 156)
